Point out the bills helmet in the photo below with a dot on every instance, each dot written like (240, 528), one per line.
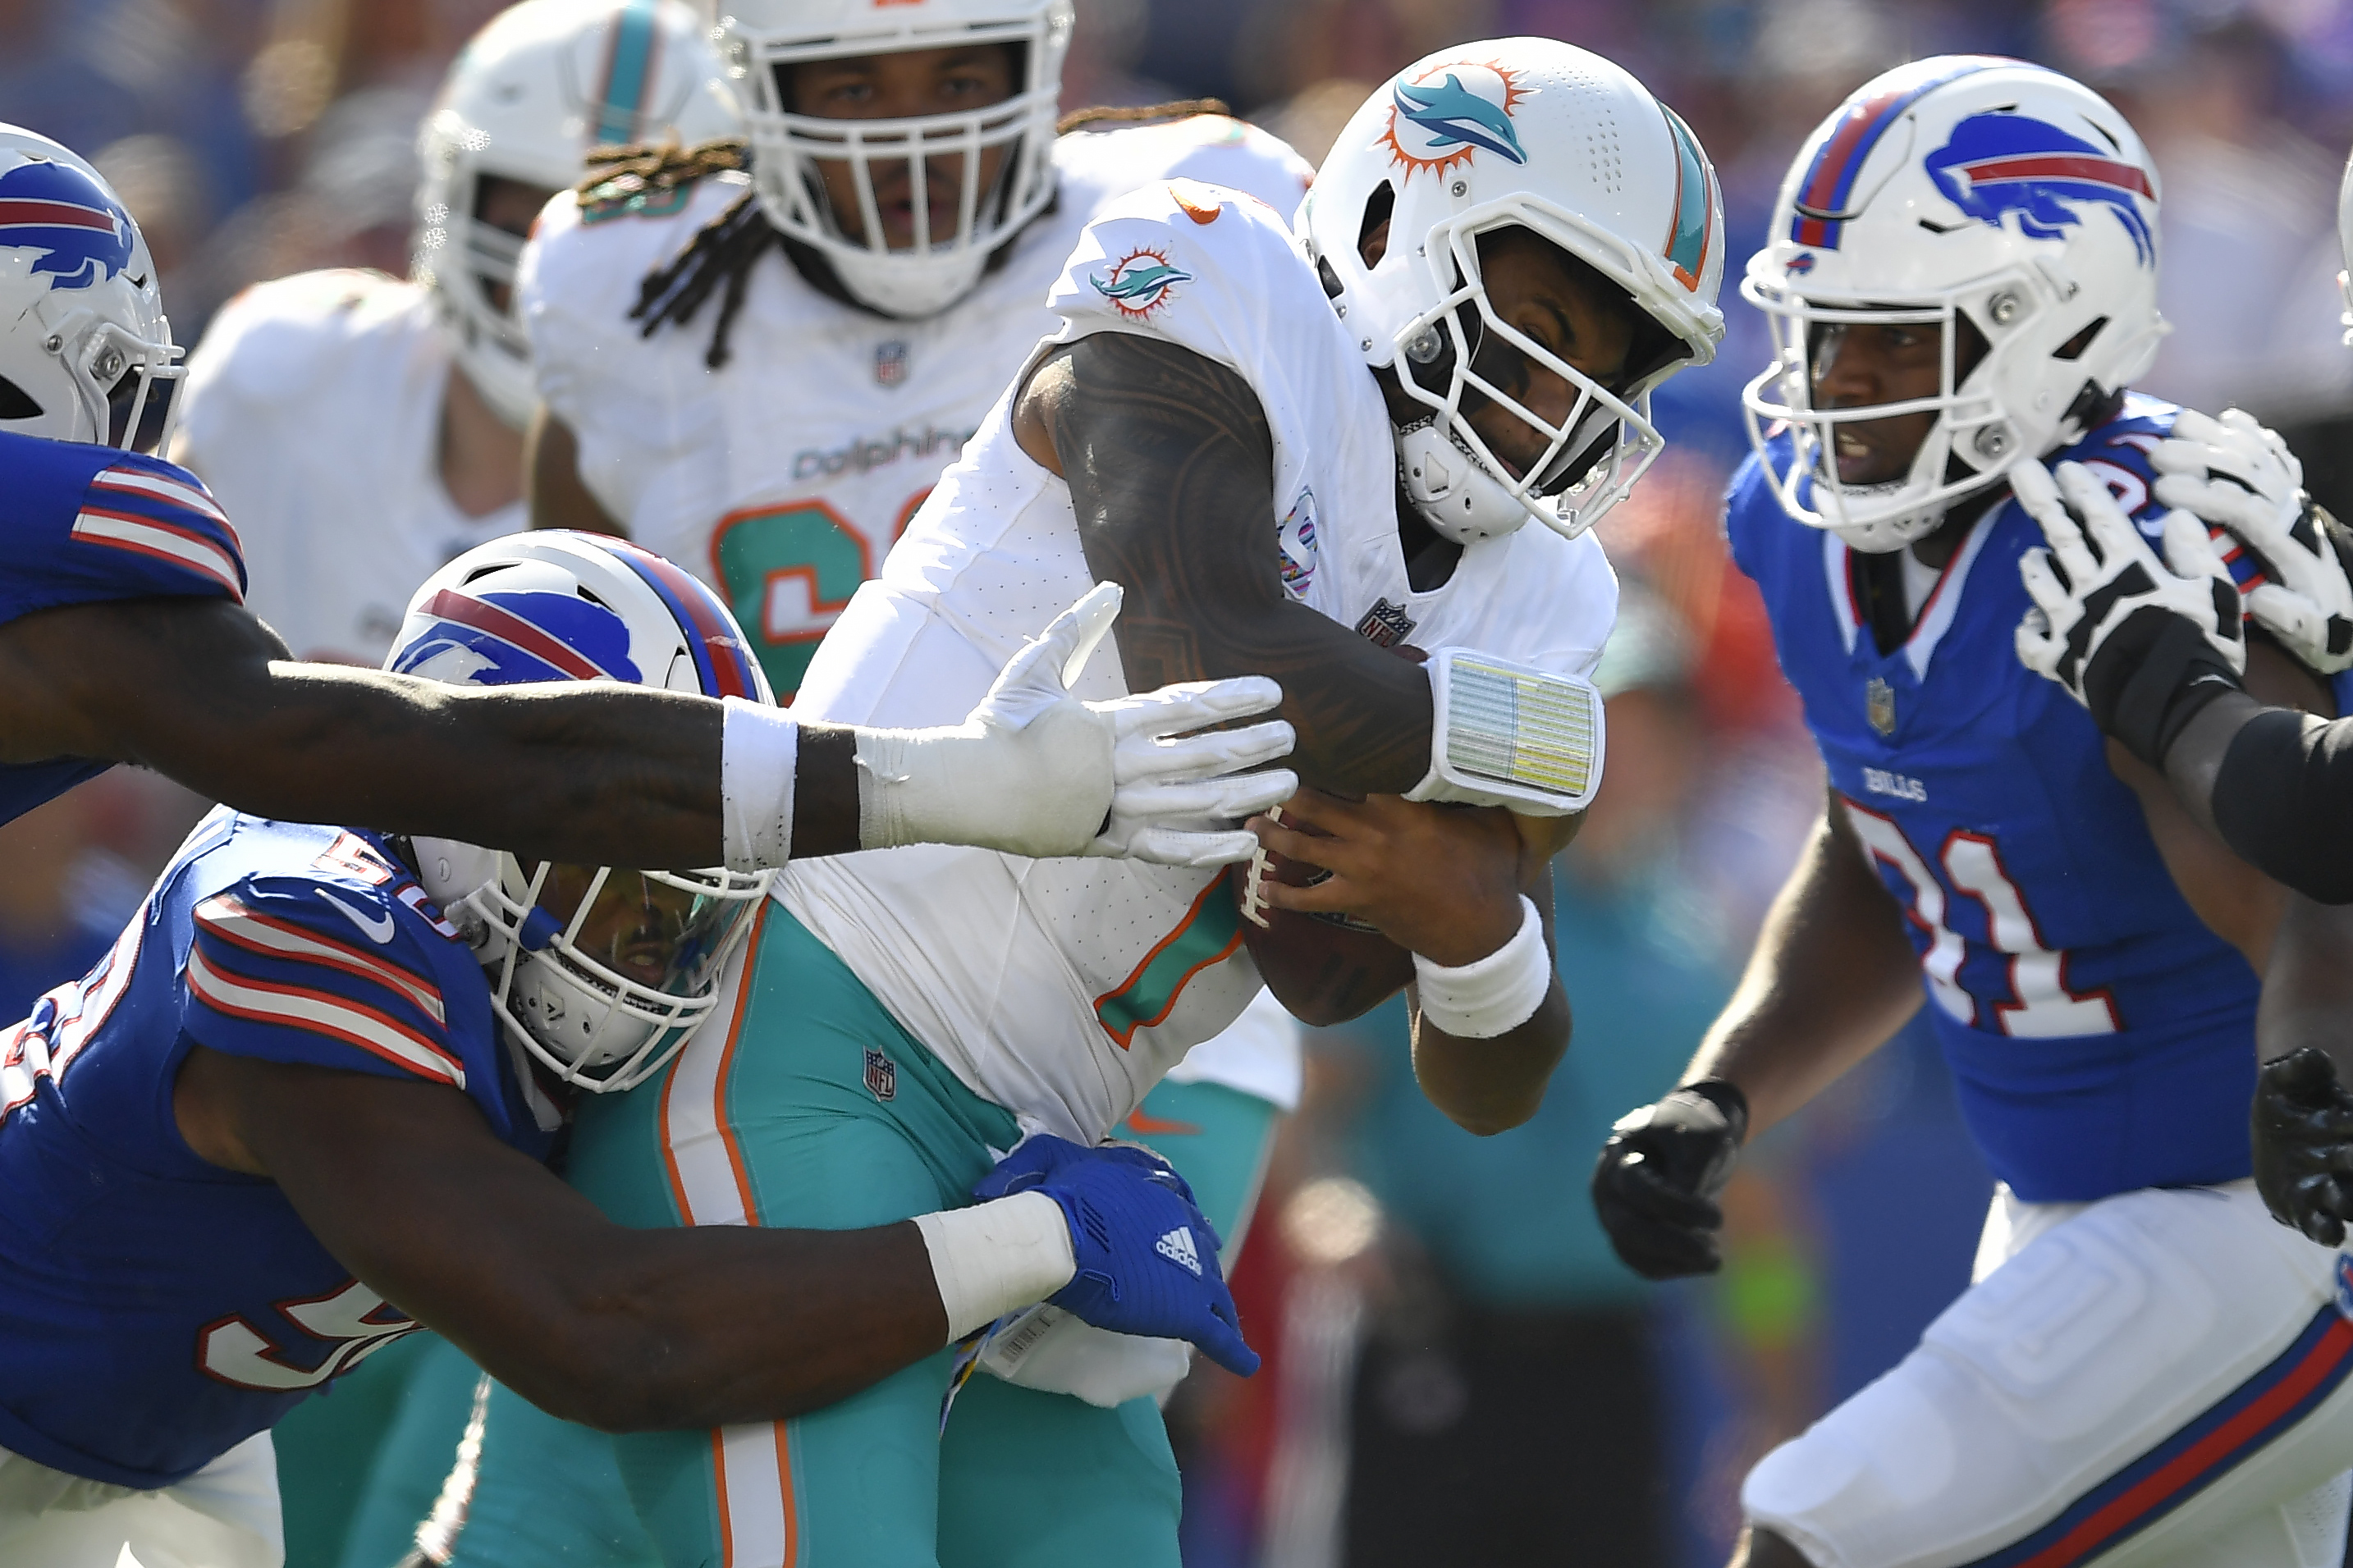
(2007, 206)
(85, 352)
(600, 974)
(1535, 134)
(995, 164)
(535, 90)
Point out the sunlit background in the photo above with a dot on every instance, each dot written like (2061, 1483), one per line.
(1443, 1321)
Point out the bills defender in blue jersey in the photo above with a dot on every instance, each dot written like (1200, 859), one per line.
(123, 639)
(302, 1108)
(2147, 1369)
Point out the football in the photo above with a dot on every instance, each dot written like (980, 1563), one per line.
(1324, 968)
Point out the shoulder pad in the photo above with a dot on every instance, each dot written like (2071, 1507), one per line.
(275, 338)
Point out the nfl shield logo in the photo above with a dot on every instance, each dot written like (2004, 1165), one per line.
(882, 1074)
(889, 364)
(1879, 705)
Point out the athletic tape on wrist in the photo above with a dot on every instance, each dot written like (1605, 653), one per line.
(997, 1258)
(1492, 996)
(759, 752)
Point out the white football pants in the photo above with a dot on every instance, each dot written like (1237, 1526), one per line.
(224, 1516)
(2164, 1377)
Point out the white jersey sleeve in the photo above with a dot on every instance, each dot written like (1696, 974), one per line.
(1215, 271)
(313, 412)
(640, 406)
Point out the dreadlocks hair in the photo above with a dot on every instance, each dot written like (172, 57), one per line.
(722, 250)
(1182, 109)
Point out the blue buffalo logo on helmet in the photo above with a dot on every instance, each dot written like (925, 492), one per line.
(1452, 113)
(84, 235)
(1138, 282)
(1999, 164)
(509, 638)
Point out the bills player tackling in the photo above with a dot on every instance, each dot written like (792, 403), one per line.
(318, 1072)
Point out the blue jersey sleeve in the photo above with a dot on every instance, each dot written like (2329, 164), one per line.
(331, 973)
(1744, 499)
(83, 523)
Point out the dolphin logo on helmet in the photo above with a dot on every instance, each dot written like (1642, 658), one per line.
(1997, 164)
(1454, 116)
(85, 237)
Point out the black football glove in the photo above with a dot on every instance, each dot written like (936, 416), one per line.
(1660, 1174)
(2303, 1124)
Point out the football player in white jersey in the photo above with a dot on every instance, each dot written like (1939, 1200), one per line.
(1309, 453)
(879, 362)
(435, 370)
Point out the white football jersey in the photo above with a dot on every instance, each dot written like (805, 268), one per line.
(783, 479)
(313, 412)
(1064, 989)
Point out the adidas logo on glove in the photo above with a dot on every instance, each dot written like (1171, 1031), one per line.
(1177, 1248)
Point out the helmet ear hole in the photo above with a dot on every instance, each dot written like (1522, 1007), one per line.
(16, 402)
(2074, 347)
(1372, 240)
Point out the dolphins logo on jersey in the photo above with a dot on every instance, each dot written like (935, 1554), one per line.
(1139, 283)
(1999, 164)
(1452, 112)
(83, 235)
(496, 639)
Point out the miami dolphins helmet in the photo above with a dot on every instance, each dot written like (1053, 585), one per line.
(85, 352)
(597, 973)
(535, 90)
(998, 160)
(1535, 134)
(2008, 208)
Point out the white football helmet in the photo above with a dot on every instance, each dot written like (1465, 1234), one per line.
(85, 352)
(599, 974)
(763, 39)
(1977, 194)
(535, 90)
(1547, 137)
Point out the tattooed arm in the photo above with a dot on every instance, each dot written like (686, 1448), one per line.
(1171, 469)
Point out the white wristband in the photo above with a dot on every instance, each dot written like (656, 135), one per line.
(997, 1258)
(759, 750)
(1491, 995)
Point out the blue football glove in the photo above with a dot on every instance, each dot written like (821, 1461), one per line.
(1147, 1260)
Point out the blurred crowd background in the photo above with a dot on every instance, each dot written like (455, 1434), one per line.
(1453, 1355)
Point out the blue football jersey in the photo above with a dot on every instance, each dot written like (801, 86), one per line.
(158, 1309)
(80, 523)
(2101, 1038)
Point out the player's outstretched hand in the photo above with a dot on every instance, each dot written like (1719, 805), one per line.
(1656, 1185)
(1034, 770)
(2238, 475)
(2141, 642)
(1147, 1260)
(2303, 1123)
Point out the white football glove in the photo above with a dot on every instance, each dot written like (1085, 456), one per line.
(1034, 770)
(2126, 634)
(2236, 474)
